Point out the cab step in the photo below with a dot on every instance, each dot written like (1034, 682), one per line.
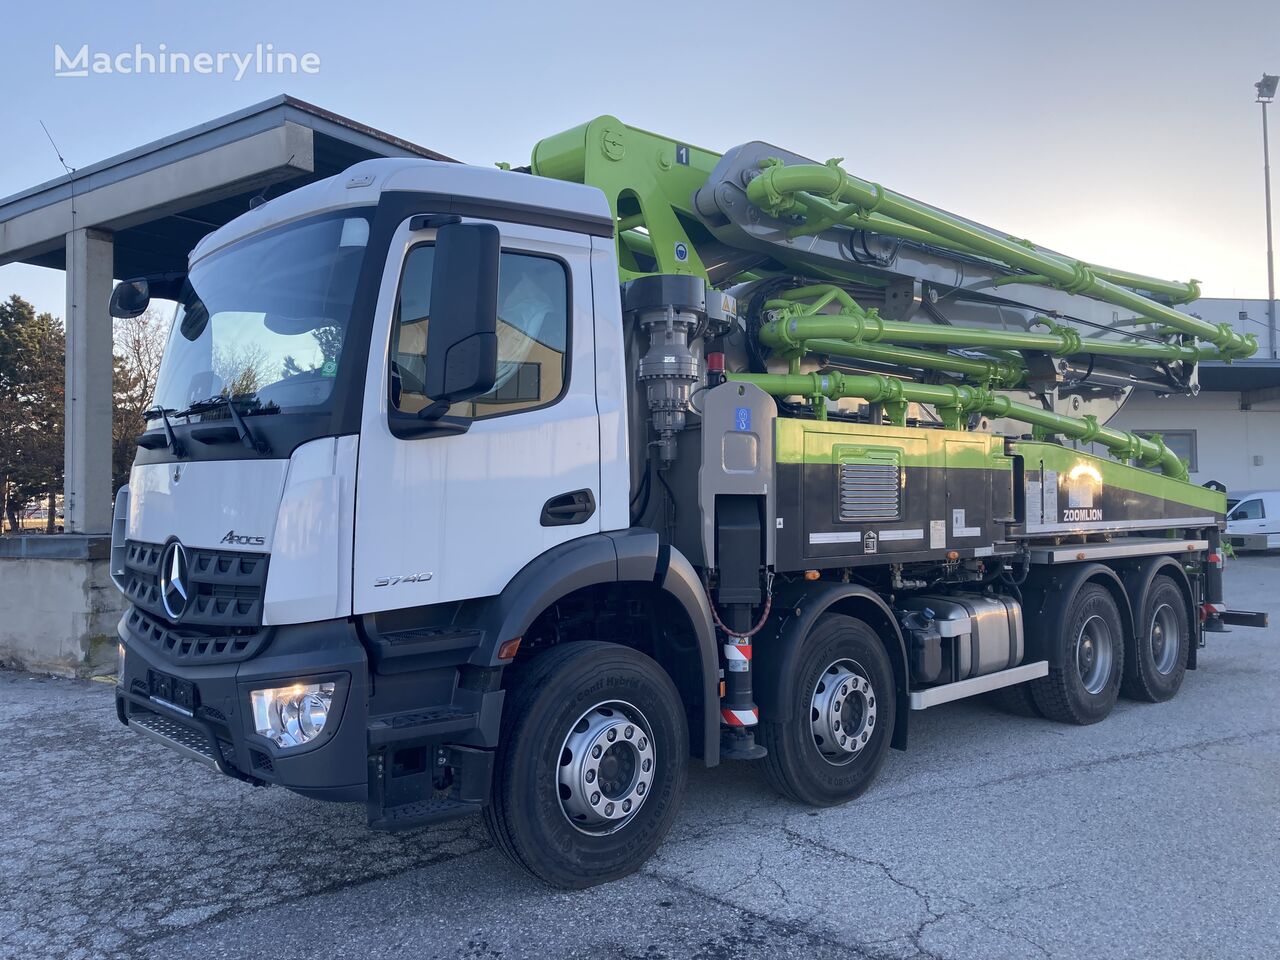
(420, 813)
(419, 726)
(403, 651)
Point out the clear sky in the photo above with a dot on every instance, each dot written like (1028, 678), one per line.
(1121, 132)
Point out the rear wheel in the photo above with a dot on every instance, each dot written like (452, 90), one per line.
(1157, 661)
(833, 747)
(590, 765)
(1090, 650)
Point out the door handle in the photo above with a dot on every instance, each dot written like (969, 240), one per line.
(569, 508)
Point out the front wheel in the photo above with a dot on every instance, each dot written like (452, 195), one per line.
(835, 744)
(590, 765)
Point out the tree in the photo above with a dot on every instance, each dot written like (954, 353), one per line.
(241, 368)
(32, 354)
(32, 390)
(139, 347)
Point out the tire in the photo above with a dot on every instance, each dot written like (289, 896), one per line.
(1083, 690)
(554, 713)
(1156, 662)
(837, 649)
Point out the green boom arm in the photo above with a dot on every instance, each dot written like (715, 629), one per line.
(650, 182)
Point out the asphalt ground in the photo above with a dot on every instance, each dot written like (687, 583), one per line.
(1153, 834)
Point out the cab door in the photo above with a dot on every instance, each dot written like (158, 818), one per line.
(455, 516)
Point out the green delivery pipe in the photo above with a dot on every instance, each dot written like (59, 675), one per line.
(878, 389)
(777, 186)
(819, 215)
(856, 324)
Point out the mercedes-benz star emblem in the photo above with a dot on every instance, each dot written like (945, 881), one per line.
(173, 580)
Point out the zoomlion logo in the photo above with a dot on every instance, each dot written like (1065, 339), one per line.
(1078, 514)
(242, 540)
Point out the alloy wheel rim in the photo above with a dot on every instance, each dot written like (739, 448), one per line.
(842, 712)
(606, 769)
(1095, 653)
(1162, 635)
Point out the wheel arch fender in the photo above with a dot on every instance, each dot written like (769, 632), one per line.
(1049, 592)
(680, 580)
(636, 555)
(1138, 578)
(800, 605)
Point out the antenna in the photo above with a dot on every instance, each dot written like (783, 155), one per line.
(71, 180)
(73, 388)
(65, 166)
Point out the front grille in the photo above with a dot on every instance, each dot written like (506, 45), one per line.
(225, 588)
(182, 644)
(870, 486)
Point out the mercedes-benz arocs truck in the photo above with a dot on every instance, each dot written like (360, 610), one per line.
(510, 490)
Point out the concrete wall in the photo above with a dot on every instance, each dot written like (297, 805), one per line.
(59, 612)
(1228, 439)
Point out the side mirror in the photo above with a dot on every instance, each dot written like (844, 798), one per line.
(130, 299)
(462, 342)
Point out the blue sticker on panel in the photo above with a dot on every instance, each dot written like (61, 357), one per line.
(742, 418)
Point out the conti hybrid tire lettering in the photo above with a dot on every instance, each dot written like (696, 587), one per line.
(590, 767)
(1156, 663)
(833, 747)
(1090, 646)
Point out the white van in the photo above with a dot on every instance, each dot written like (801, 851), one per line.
(1253, 520)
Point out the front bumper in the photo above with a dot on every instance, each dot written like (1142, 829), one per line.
(1254, 541)
(411, 731)
(202, 710)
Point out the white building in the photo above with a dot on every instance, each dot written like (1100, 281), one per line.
(1231, 431)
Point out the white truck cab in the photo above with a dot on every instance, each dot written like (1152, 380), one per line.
(1253, 519)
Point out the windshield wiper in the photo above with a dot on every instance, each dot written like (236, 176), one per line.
(170, 438)
(242, 430)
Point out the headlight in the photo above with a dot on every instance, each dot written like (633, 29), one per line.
(119, 662)
(294, 715)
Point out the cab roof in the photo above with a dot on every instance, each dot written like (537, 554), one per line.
(364, 183)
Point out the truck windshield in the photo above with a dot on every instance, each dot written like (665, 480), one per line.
(265, 318)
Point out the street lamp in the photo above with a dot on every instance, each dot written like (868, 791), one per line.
(1266, 88)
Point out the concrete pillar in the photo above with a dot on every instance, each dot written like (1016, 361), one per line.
(87, 487)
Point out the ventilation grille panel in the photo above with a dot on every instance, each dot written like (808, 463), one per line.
(870, 486)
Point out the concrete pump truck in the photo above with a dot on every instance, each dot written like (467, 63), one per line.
(510, 490)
